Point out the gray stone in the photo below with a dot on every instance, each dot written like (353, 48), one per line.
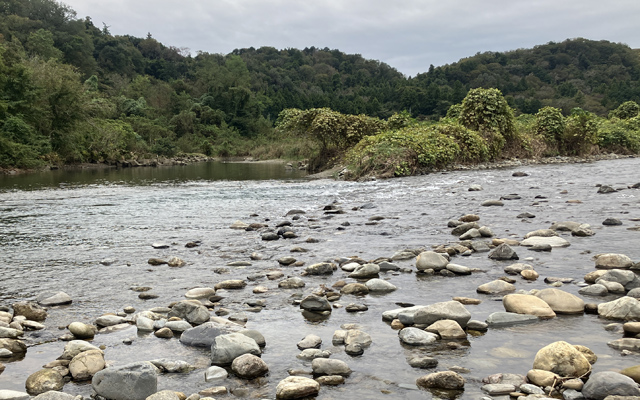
(463, 228)
(327, 366)
(498, 319)
(357, 337)
(291, 283)
(310, 354)
(178, 326)
(613, 261)
(315, 303)
(135, 381)
(297, 387)
(215, 373)
(86, 364)
(200, 293)
(51, 395)
(365, 271)
(310, 341)
(379, 285)
(594, 290)
(517, 268)
(320, 269)
(43, 381)
(624, 308)
(255, 335)
(498, 389)
(497, 286)
(164, 395)
(426, 315)
(109, 320)
(447, 380)
(458, 269)
(204, 335)
(53, 299)
(13, 395)
(191, 311)
(416, 337)
(248, 366)
(607, 383)
(631, 344)
(503, 252)
(431, 260)
(423, 362)
(227, 347)
(75, 347)
(626, 278)
(390, 315)
(82, 330)
(553, 241)
(172, 366)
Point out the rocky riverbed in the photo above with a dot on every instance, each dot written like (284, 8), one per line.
(465, 284)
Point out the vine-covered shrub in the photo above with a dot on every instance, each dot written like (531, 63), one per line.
(626, 110)
(550, 124)
(401, 152)
(580, 133)
(487, 111)
(620, 136)
(473, 147)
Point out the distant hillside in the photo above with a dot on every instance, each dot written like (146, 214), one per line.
(594, 75)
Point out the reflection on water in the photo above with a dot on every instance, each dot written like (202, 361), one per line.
(54, 238)
(204, 171)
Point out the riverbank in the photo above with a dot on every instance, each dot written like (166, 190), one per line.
(105, 246)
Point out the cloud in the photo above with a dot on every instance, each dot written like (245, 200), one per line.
(407, 34)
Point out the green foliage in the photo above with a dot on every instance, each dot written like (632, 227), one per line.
(580, 134)
(454, 111)
(401, 152)
(486, 111)
(400, 120)
(626, 110)
(620, 135)
(550, 124)
(473, 147)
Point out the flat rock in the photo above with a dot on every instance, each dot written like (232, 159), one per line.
(416, 337)
(611, 261)
(561, 302)
(53, 299)
(431, 260)
(297, 387)
(229, 346)
(553, 241)
(447, 380)
(135, 381)
(327, 366)
(527, 304)
(495, 287)
(498, 319)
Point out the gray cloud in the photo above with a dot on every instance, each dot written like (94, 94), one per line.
(407, 34)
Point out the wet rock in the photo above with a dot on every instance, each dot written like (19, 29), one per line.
(553, 241)
(255, 335)
(229, 346)
(176, 262)
(156, 261)
(135, 381)
(172, 366)
(542, 378)
(426, 315)
(447, 329)
(431, 260)
(109, 320)
(356, 307)
(204, 335)
(470, 234)
(561, 302)
(357, 337)
(192, 311)
(565, 226)
(164, 333)
(463, 228)
(166, 395)
(291, 283)
(10, 333)
(527, 304)
(422, 362)
(330, 380)
(624, 308)
(288, 260)
(310, 354)
(365, 271)
(416, 337)
(628, 279)
(356, 289)
(30, 310)
(613, 261)
(327, 366)
(529, 274)
(631, 344)
(467, 300)
(379, 285)
(495, 287)
(315, 303)
(14, 346)
(603, 189)
(498, 319)
(215, 373)
(611, 222)
(498, 389)
(503, 252)
(43, 381)
(53, 299)
(75, 347)
(525, 215)
(13, 395)
(490, 203)
(609, 383)
(563, 359)
(320, 269)
(477, 326)
(310, 341)
(297, 387)
(144, 324)
(178, 326)
(200, 293)
(594, 290)
(82, 330)
(86, 364)
(248, 366)
(632, 372)
(475, 188)
(447, 380)
(270, 236)
(458, 269)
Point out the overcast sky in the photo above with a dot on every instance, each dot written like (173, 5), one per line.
(406, 34)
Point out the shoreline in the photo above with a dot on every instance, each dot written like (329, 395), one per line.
(335, 172)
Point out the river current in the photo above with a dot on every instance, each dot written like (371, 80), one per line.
(54, 231)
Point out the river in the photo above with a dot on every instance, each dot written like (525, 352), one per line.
(56, 227)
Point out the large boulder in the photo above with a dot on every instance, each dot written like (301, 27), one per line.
(527, 304)
(613, 261)
(563, 359)
(86, 364)
(628, 279)
(297, 387)
(431, 260)
(427, 315)
(447, 380)
(30, 310)
(43, 381)
(248, 366)
(625, 308)
(609, 383)
(561, 302)
(134, 381)
(226, 348)
(190, 310)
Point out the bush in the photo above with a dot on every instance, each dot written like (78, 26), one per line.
(402, 152)
(626, 110)
(550, 124)
(620, 136)
(580, 133)
(473, 147)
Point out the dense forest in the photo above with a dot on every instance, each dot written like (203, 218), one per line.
(72, 92)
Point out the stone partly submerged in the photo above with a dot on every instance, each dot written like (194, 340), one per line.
(563, 359)
(135, 381)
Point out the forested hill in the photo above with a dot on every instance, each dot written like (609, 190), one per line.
(71, 91)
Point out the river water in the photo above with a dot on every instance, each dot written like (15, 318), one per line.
(56, 227)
